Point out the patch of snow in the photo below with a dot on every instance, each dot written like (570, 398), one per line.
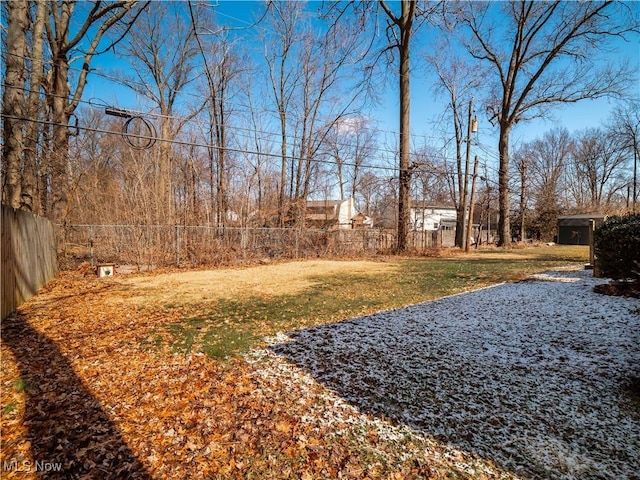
(530, 375)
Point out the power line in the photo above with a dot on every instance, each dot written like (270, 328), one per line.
(120, 81)
(150, 139)
(249, 132)
(202, 145)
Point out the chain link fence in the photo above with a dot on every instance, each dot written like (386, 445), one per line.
(149, 247)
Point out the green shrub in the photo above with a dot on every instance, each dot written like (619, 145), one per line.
(617, 247)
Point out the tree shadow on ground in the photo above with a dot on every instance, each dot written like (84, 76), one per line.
(70, 435)
(498, 373)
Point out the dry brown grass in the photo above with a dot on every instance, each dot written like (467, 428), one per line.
(285, 278)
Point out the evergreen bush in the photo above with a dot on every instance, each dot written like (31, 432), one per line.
(617, 247)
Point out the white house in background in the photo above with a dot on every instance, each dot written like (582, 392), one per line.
(334, 214)
(432, 218)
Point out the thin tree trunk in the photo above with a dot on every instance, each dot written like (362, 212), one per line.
(283, 169)
(221, 144)
(460, 201)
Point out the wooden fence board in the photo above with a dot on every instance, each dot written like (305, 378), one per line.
(28, 257)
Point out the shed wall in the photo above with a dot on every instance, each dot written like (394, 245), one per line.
(573, 235)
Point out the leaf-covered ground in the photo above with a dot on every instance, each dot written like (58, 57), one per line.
(84, 397)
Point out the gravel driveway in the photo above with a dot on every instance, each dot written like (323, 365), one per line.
(533, 375)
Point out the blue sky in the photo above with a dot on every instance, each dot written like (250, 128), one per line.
(425, 107)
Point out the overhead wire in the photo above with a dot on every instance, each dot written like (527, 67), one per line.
(100, 103)
(239, 131)
(129, 81)
(205, 145)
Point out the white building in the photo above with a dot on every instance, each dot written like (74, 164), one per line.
(431, 218)
(331, 214)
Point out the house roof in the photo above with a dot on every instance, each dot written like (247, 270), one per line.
(418, 204)
(324, 203)
(581, 220)
(320, 217)
(584, 216)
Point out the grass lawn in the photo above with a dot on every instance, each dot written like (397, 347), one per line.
(227, 326)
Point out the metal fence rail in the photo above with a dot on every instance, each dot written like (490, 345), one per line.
(152, 246)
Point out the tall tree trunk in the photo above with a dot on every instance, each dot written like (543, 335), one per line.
(221, 143)
(13, 100)
(212, 176)
(465, 186)
(404, 191)
(523, 201)
(283, 167)
(60, 139)
(30, 195)
(504, 225)
(165, 193)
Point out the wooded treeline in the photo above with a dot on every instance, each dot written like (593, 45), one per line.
(241, 126)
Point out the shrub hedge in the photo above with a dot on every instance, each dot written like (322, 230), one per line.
(617, 247)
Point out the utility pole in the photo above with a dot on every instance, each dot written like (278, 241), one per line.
(466, 174)
(471, 205)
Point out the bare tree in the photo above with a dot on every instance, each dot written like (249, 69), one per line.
(542, 164)
(32, 186)
(94, 175)
(68, 30)
(401, 29)
(458, 80)
(545, 56)
(599, 163)
(163, 65)
(222, 68)
(73, 32)
(314, 81)
(400, 32)
(370, 193)
(280, 40)
(521, 159)
(324, 60)
(624, 126)
(263, 174)
(551, 154)
(349, 144)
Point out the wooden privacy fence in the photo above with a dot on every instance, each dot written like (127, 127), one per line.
(28, 257)
(151, 246)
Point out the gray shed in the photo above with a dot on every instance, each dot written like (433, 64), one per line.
(574, 229)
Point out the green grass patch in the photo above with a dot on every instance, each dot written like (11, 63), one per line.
(230, 327)
(20, 385)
